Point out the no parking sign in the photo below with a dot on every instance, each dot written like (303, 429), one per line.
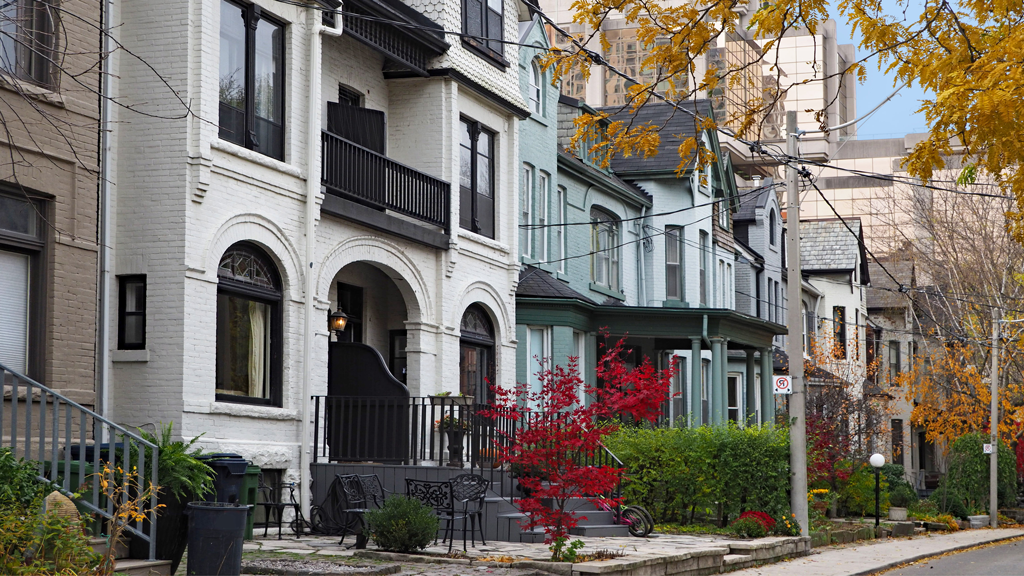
(783, 385)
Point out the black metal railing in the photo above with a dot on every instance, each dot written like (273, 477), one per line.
(70, 443)
(412, 431)
(362, 175)
(419, 430)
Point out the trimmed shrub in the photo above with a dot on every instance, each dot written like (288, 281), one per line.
(902, 496)
(967, 474)
(948, 501)
(748, 527)
(675, 472)
(402, 524)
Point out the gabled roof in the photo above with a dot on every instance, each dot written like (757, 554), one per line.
(828, 246)
(884, 291)
(536, 283)
(676, 126)
(600, 177)
(751, 201)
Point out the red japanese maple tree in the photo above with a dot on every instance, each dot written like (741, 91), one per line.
(556, 447)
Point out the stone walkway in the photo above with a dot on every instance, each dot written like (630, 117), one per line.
(849, 560)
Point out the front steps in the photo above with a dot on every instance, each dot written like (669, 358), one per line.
(128, 566)
(507, 528)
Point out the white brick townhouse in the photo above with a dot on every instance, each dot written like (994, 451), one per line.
(281, 161)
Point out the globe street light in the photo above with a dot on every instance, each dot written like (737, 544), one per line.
(877, 461)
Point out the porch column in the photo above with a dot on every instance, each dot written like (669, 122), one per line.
(767, 396)
(717, 385)
(751, 396)
(695, 382)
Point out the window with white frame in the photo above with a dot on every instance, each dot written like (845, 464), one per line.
(579, 349)
(536, 89)
(723, 212)
(720, 292)
(673, 263)
(541, 214)
(559, 228)
(538, 352)
(730, 293)
(735, 396)
(605, 248)
(526, 212)
(703, 255)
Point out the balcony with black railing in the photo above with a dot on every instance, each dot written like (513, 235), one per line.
(368, 178)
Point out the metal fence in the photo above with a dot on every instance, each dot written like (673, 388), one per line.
(71, 443)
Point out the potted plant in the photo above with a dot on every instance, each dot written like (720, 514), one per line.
(448, 399)
(182, 479)
(455, 429)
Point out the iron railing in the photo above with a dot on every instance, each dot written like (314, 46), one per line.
(362, 175)
(413, 431)
(65, 438)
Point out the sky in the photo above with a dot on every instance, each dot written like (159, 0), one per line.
(896, 118)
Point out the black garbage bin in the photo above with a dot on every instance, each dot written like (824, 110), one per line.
(215, 534)
(230, 470)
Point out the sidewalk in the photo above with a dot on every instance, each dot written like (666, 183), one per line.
(870, 557)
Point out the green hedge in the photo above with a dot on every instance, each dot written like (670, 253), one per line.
(967, 476)
(674, 472)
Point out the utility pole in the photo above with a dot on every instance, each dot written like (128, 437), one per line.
(993, 427)
(795, 341)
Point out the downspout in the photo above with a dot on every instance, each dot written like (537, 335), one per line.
(312, 189)
(641, 298)
(103, 331)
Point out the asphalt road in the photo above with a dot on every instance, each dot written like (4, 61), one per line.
(1003, 560)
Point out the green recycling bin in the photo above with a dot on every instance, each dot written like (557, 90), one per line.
(250, 495)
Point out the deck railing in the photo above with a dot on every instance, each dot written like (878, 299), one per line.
(413, 431)
(66, 438)
(362, 175)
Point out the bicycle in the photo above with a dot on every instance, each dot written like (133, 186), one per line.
(638, 520)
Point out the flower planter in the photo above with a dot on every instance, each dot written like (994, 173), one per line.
(451, 400)
(979, 521)
(897, 513)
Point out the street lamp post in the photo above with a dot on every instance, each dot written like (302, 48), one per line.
(877, 460)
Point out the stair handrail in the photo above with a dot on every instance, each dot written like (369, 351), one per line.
(101, 427)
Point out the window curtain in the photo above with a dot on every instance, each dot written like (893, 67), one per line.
(257, 348)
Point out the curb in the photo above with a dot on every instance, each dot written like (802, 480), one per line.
(892, 565)
(352, 571)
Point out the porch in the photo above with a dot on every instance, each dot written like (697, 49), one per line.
(399, 438)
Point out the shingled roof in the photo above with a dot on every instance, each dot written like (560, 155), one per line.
(884, 291)
(751, 200)
(676, 126)
(536, 283)
(828, 246)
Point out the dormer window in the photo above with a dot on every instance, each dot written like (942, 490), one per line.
(482, 22)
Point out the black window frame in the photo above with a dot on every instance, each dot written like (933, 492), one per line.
(771, 227)
(36, 246)
(252, 14)
(123, 313)
(470, 197)
(35, 49)
(273, 298)
(492, 50)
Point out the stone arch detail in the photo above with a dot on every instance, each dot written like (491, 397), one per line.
(266, 234)
(488, 297)
(388, 257)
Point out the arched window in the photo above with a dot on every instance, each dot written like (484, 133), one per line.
(604, 244)
(476, 355)
(771, 227)
(536, 105)
(248, 327)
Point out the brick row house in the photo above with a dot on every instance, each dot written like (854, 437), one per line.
(297, 162)
(50, 232)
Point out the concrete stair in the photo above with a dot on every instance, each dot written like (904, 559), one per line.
(128, 566)
(505, 526)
